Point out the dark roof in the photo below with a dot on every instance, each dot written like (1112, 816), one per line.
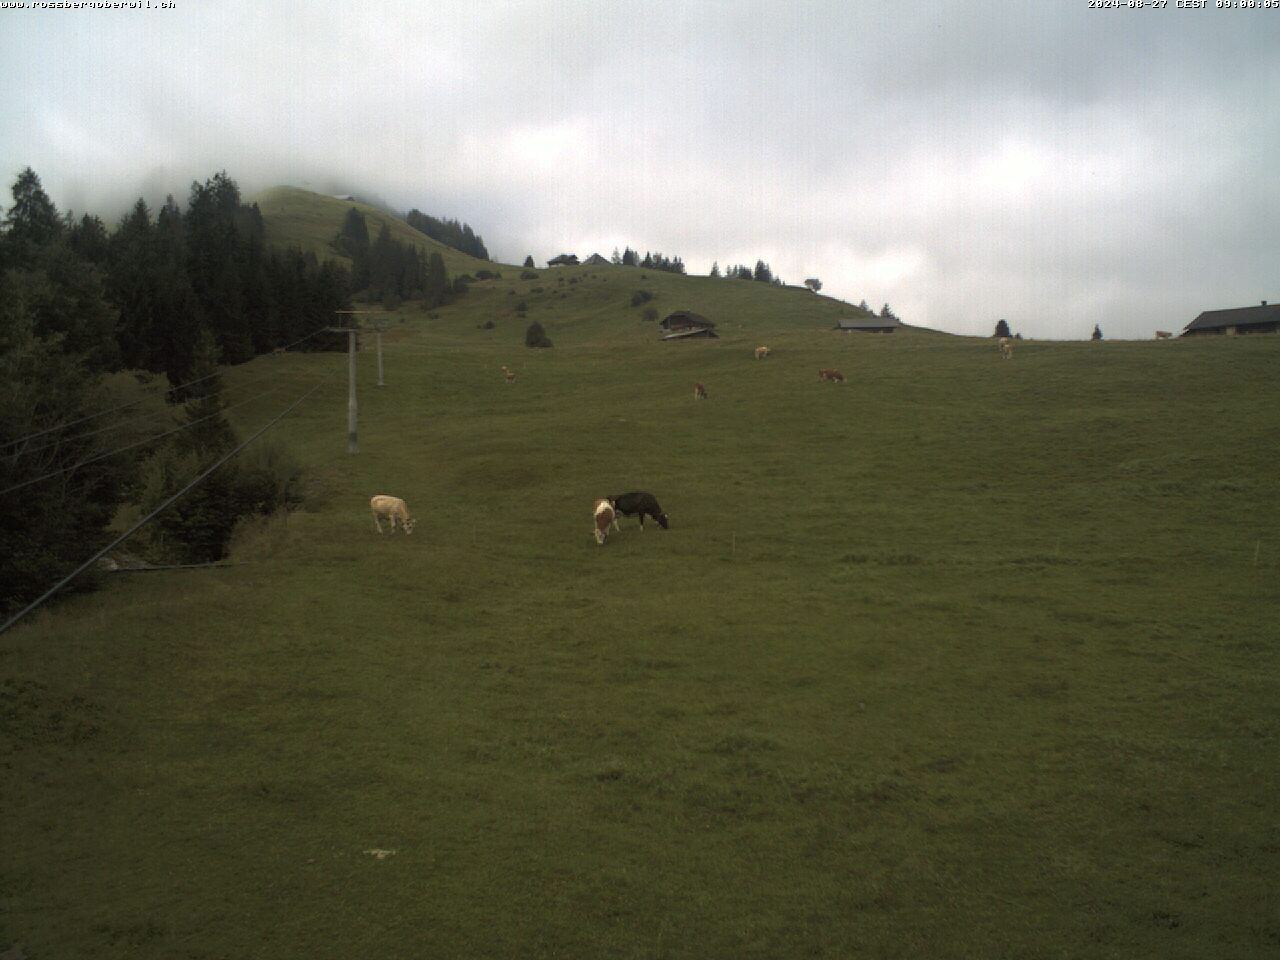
(685, 318)
(866, 323)
(565, 259)
(1239, 317)
(690, 334)
(594, 260)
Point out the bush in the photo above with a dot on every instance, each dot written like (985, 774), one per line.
(650, 313)
(522, 308)
(487, 274)
(197, 528)
(528, 275)
(535, 336)
(271, 479)
(487, 325)
(640, 296)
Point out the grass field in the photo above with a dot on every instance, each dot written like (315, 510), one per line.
(960, 658)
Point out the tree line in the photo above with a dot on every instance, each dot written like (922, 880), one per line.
(650, 261)
(390, 271)
(451, 233)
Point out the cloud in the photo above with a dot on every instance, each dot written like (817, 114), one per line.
(1043, 162)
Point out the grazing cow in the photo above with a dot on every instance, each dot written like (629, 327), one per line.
(603, 516)
(1163, 334)
(1006, 348)
(699, 392)
(835, 376)
(393, 509)
(761, 352)
(639, 502)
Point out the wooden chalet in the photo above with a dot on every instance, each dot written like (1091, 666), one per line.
(595, 260)
(564, 260)
(1241, 320)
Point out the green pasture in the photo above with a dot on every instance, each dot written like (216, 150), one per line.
(960, 658)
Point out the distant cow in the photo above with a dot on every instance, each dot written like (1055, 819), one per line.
(511, 377)
(761, 352)
(393, 509)
(835, 376)
(1163, 334)
(639, 502)
(699, 392)
(603, 516)
(1006, 348)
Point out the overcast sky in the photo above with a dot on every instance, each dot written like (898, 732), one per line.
(962, 160)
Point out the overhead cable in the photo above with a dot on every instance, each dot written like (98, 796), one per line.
(128, 533)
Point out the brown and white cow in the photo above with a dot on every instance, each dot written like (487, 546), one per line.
(761, 352)
(393, 509)
(603, 516)
(1006, 348)
(509, 374)
(835, 376)
(699, 392)
(1163, 334)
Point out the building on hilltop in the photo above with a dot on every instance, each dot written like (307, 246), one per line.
(685, 320)
(867, 325)
(595, 260)
(564, 260)
(1240, 320)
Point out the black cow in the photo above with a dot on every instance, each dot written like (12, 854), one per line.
(639, 502)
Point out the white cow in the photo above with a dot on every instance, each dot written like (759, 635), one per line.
(604, 516)
(393, 509)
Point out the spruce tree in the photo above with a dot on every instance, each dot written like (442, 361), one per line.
(435, 292)
(33, 219)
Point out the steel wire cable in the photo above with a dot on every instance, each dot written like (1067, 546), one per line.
(137, 526)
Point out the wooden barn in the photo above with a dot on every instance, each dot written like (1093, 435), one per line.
(686, 320)
(868, 325)
(595, 260)
(564, 260)
(1241, 320)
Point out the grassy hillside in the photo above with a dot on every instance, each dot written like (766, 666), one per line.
(297, 217)
(960, 658)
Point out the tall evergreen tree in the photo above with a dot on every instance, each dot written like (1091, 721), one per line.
(436, 288)
(32, 219)
(88, 238)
